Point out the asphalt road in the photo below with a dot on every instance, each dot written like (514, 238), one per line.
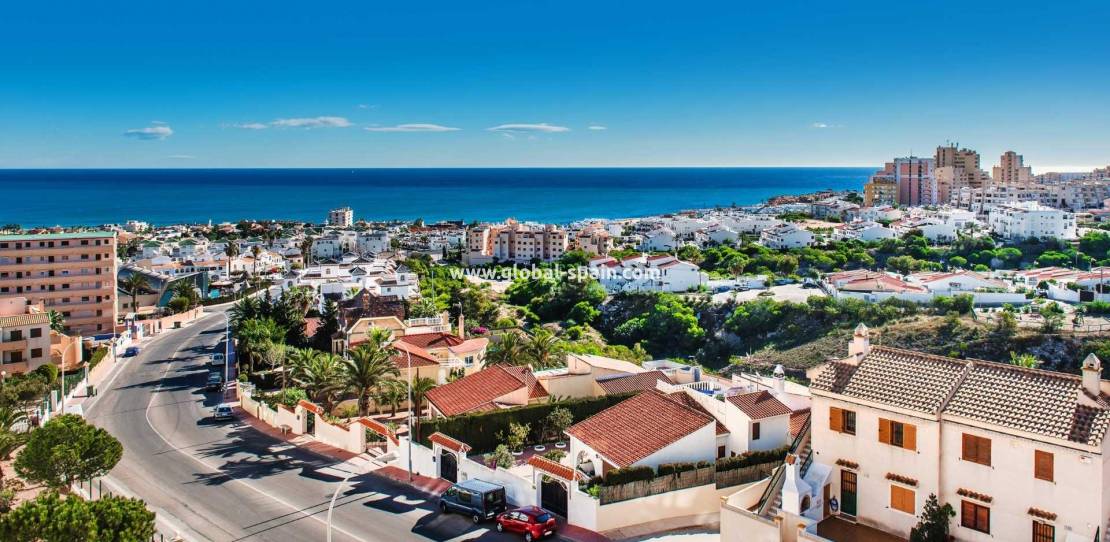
(226, 481)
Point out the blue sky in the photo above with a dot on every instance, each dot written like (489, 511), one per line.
(520, 83)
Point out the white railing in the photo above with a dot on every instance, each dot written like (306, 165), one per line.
(702, 386)
(429, 321)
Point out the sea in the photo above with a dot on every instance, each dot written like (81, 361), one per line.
(73, 197)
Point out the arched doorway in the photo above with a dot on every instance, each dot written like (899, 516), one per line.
(448, 466)
(553, 495)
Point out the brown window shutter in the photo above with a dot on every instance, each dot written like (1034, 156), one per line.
(1043, 467)
(836, 419)
(909, 436)
(984, 451)
(884, 430)
(968, 448)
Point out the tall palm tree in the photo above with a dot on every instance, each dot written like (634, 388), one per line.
(255, 335)
(231, 250)
(295, 362)
(134, 284)
(368, 365)
(421, 385)
(323, 379)
(255, 251)
(245, 309)
(187, 291)
(306, 249)
(11, 436)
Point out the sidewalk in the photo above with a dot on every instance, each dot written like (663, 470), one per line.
(304, 442)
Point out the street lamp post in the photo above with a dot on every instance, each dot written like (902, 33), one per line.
(408, 361)
(227, 346)
(64, 351)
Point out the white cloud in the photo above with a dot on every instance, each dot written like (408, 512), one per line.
(541, 127)
(251, 126)
(822, 125)
(150, 133)
(412, 128)
(181, 157)
(312, 122)
(597, 127)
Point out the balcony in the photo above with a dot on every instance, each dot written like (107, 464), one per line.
(13, 346)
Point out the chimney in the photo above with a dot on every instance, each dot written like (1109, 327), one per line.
(462, 328)
(860, 345)
(780, 381)
(1092, 374)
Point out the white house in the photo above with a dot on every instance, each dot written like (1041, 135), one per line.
(865, 231)
(658, 273)
(662, 239)
(786, 235)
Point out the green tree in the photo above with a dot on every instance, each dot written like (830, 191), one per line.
(1029, 361)
(50, 518)
(369, 365)
(323, 379)
(231, 251)
(583, 313)
(392, 392)
(932, 524)
(421, 385)
(509, 349)
(134, 284)
(57, 321)
(425, 307)
(10, 438)
(544, 351)
(67, 449)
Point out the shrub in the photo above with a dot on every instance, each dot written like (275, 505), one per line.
(676, 468)
(502, 457)
(748, 459)
(555, 455)
(626, 475)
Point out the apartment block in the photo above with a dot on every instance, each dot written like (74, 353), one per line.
(1031, 220)
(914, 179)
(1011, 169)
(71, 273)
(342, 217)
(880, 191)
(515, 242)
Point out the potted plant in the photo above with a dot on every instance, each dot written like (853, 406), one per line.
(515, 437)
(557, 422)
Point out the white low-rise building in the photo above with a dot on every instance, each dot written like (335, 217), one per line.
(658, 273)
(1031, 220)
(786, 235)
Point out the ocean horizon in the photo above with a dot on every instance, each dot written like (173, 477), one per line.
(72, 197)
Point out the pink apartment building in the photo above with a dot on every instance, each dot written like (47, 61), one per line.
(914, 178)
(71, 273)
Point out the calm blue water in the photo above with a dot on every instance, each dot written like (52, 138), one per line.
(74, 197)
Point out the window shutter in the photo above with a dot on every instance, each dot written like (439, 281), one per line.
(1043, 467)
(984, 451)
(884, 431)
(836, 419)
(969, 448)
(909, 436)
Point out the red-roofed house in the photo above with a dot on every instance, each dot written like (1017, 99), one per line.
(757, 421)
(497, 386)
(648, 429)
(629, 383)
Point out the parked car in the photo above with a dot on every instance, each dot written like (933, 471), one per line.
(215, 382)
(476, 498)
(222, 412)
(531, 521)
(216, 360)
(131, 352)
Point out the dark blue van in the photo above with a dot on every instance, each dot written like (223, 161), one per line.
(476, 498)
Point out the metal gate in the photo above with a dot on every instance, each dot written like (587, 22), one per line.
(553, 495)
(310, 422)
(448, 466)
(848, 493)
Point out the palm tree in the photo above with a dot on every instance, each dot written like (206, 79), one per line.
(306, 249)
(323, 379)
(421, 385)
(255, 251)
(424, 308)
(134, 284)
(369, 364)
(10, 439)
(392, 392)
(57, 321)
(295, 362)
(509, 350)
(186, 291)
(255, 334)
(544, 350)
(231, 250)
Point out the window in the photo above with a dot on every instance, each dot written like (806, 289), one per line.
(755, 431)
(902, 499)
(720, 452)
(902, 435)
(1043, 532)
(977, 449)
(1043, 466)
(36, 332)
(842, 421)
(36, 352)
(975, 517)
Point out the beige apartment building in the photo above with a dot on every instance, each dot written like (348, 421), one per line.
(71, 273)
(515, 242)
(27, 342)
(1011, 169)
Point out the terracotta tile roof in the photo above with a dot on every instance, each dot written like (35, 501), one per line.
(378, 428)
(432, 340)
(684, 398)
(25, 319)
(449, 443)
(481, 390)
(901, 378)
(1034, 401)
(759, 405)
(419, 356)
(311, 407)
(624, 433)
(633, 382)
(798, 420)
(553, 467)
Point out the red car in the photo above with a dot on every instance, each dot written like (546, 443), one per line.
(533, 521)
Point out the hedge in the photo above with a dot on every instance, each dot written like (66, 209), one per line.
(625, 475)
(480, 429)
(748, 459)
(675, 468)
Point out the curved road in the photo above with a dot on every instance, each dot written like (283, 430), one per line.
(228, 482)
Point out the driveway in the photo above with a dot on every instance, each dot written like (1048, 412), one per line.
(788, 292)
